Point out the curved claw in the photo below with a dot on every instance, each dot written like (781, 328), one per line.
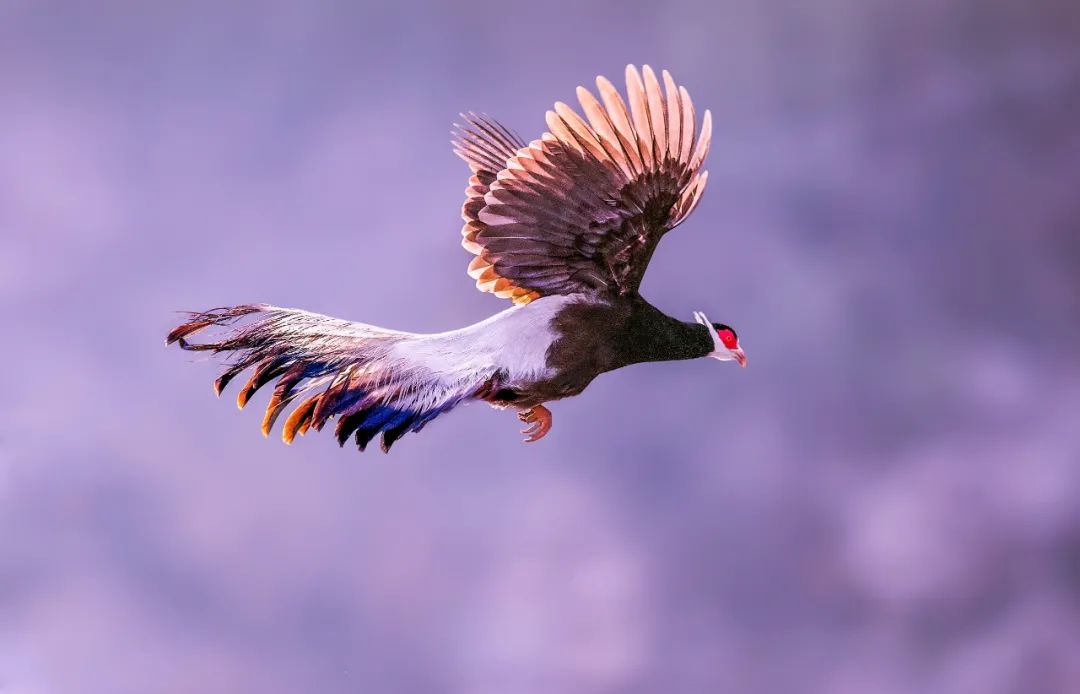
(540, 419)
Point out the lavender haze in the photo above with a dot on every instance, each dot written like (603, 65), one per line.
(886, 501)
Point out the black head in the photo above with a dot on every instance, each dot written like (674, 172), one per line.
(725, 341)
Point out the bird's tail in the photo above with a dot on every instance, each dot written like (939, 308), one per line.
(366, 377)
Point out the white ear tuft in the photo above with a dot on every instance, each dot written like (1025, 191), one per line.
(718, 346)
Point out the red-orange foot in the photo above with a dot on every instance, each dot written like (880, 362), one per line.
(540, 419)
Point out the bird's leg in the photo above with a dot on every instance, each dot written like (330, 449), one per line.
(540, 419)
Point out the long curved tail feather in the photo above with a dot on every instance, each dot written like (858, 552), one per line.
(370, 379)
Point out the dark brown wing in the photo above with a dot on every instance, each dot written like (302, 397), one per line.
(486, 146)
(582, 208)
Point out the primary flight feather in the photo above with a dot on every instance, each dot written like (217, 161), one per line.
(564, 227)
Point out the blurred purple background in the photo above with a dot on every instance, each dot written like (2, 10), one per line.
(886, 501)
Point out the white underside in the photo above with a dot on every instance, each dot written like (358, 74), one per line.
(515, 341)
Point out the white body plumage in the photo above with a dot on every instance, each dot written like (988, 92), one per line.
(514, 341)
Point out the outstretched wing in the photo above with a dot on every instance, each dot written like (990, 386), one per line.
(582, 208)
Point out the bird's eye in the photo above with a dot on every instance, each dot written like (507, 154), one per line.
(728, 338)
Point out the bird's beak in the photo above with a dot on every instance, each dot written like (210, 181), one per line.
(740, 356)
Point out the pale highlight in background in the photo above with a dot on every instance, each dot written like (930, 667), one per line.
(885, 501)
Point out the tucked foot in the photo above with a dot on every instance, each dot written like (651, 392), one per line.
(540, 419)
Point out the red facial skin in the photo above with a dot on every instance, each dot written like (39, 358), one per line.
(728, 338)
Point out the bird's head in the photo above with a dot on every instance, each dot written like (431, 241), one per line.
(725, 342)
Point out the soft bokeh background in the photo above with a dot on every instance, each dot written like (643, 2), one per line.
(886, 501)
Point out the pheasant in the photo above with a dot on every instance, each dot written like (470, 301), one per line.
(563, 227)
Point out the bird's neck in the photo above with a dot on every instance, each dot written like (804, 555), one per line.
(655, 336)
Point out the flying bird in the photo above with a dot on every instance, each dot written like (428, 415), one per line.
(563, 227)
